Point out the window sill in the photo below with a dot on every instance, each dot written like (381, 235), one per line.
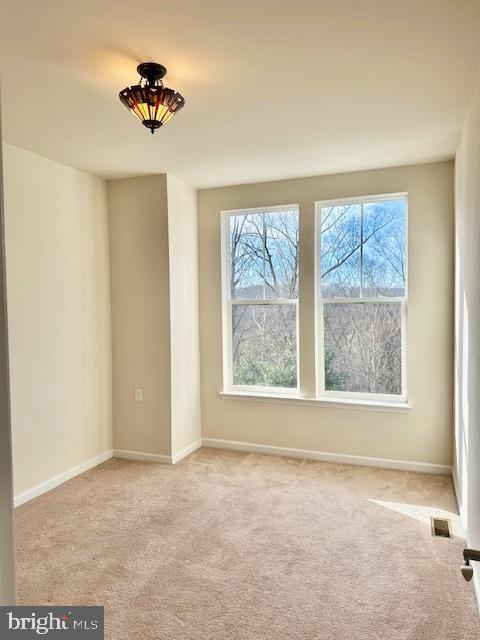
(333, 403)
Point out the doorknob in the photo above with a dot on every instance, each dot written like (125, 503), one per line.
(466, 568)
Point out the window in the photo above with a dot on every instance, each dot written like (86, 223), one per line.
(360, 301)
(260, 295)
(362, 297)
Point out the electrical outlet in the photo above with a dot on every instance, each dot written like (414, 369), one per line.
(139, 395)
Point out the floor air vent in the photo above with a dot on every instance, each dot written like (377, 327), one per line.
(441, 527)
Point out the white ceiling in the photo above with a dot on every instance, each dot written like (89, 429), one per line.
(274, 89)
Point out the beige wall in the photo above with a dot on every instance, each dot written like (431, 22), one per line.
(467, 320)
(424, 434)
(154, 276)
(138, 223)
(59, 316)
(184, 314)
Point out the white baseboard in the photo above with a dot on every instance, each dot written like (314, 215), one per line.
(156, 457)
(476, 584)
(61, 478)
(186, 451)
(458, 498)
(424, 467)
(140, 455)
(384, 463)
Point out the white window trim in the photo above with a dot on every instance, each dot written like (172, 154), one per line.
(228, 303)
(345, 396)
(354, 404)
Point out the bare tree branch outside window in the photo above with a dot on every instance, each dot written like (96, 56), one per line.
(362, 286)
(264, 266)
(362, 266)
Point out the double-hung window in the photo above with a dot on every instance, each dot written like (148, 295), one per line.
(260, 296)
(360, 300)
(362, 297)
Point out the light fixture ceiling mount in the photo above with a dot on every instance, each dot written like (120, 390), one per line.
(151, 102)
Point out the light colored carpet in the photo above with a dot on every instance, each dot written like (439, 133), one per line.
(237, 546)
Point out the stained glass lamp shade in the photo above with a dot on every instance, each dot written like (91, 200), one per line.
(151, 102)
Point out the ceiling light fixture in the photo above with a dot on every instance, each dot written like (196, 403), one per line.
(151, 102)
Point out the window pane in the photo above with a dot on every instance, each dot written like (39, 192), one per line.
(340, 250)
(384, 248)
(264, 255)
(281, 254)
(363, 347)
(246, 256)
(264, 345)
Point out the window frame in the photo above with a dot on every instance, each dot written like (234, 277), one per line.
(320, 302)
(228, 303)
